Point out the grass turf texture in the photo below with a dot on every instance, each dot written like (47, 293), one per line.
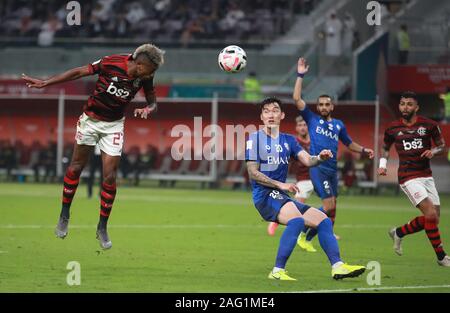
(184, 240)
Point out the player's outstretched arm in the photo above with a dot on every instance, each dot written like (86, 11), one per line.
(72, 74)
(314, 160)
(260, 178)
(302, 69)
(354, 147)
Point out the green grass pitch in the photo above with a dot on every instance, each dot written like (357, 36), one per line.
(188, 240)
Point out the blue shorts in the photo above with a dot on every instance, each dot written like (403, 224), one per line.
(325, 185)
(271, 203)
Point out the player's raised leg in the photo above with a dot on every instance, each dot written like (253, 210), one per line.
(316, 219)
(79, 160)
(397, 234)
(290, 216)
(432, 230)
(107, 196)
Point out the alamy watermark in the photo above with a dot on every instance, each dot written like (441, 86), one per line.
(373, 277)
(211, 142)
(73, 278)
(74, 15)
(374, 16)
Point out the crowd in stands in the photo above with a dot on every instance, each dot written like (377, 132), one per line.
(161, 20)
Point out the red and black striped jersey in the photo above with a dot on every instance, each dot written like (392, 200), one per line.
(114, 89)
(410, 142)
(301, 170)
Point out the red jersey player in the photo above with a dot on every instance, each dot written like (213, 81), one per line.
(304, 183)
(412, 135)
(120, 77)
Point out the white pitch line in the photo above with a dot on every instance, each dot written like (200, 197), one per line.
(179, 200)
(156, 226)
(372, 289)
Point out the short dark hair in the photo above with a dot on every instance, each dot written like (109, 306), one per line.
(270, 100)
(324, 96)
(409, 94)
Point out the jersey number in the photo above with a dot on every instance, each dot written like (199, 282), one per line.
(116, 139)
(274, 194)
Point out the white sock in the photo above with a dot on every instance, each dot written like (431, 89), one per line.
(277, 269)
(337, 264)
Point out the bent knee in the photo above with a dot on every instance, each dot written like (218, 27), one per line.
(110, 178)
(75, 168)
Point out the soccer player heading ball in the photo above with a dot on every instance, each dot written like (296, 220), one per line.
(120, 77)
(267, 155)
(412, 135)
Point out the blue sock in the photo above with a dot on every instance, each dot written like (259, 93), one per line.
(288, 240)
(313, 232)
(327, 241)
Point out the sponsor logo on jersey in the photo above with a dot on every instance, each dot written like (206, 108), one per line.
(267, 147)
(326, 133)
(277, 160)
(400, 133)
(118, 92)
(422, 131)
(413, 145)
(115, 79)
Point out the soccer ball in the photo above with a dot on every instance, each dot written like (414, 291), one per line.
(232, 59)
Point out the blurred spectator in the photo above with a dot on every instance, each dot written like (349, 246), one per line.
(49, 162)
(135, 13)
(348, 171)
(446, 99)
(192, 28)
(48, 30)
(233, 16)
(35, 159)
(349, 33)
(8, 159)
(252, 88)
(122, 26)
(403, 44)
(159, 19)
(333, 29)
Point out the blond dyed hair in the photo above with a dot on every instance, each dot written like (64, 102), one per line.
(154, 54)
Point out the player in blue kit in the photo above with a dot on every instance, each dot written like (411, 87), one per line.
(267, 155)
(325, 133)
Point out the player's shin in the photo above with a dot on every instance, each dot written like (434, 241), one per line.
(288, 241)
(413, 226)
(328, 241)
(107, 196)
(71, 180)
(434, 236)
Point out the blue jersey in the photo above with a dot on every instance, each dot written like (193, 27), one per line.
(325, 135)
(273, 155)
